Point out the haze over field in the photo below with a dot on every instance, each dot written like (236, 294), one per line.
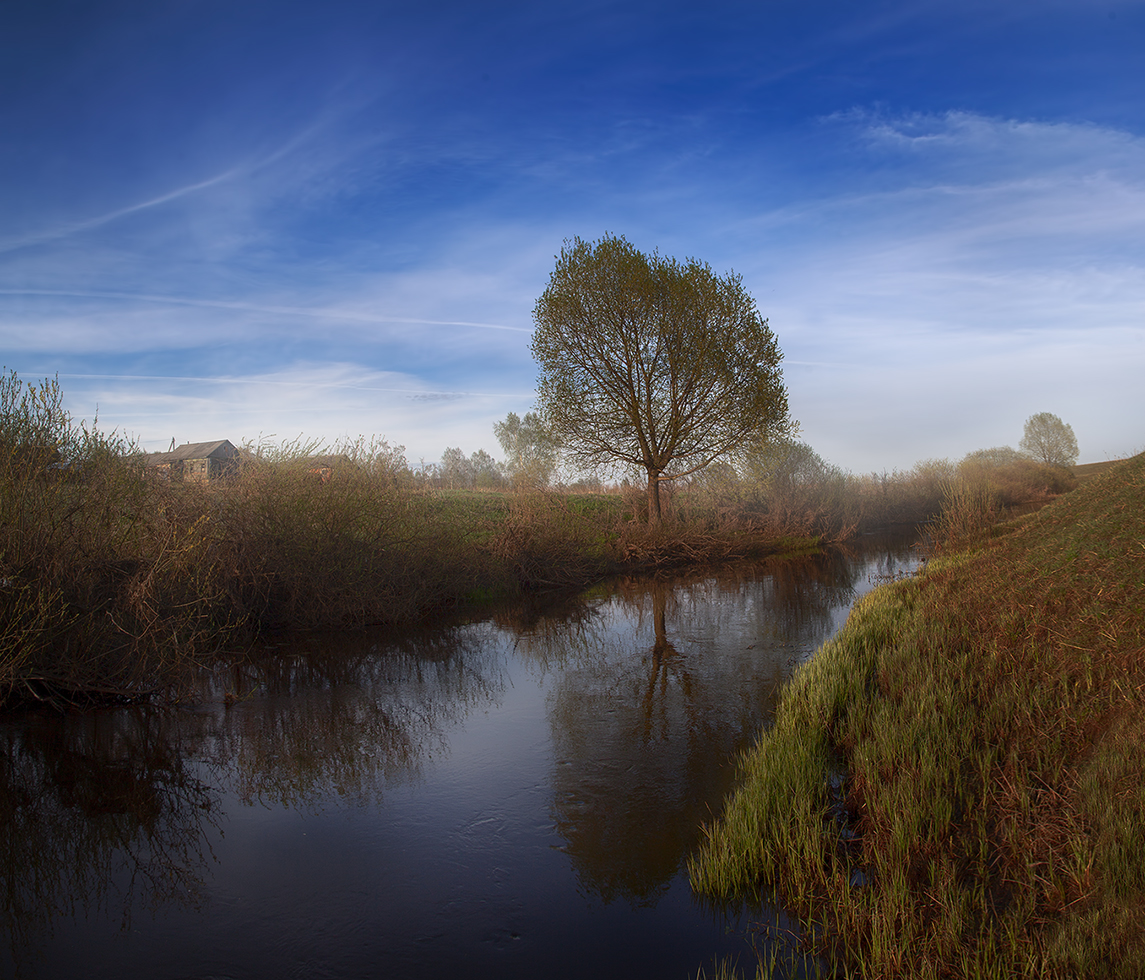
(224, 220)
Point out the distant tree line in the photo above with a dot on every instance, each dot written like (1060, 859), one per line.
(456, 471)
(531, 454)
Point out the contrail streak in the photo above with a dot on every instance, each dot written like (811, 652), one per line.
(103, 219)
(285, 383)
(304, 311)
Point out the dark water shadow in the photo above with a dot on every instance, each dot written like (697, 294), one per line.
(655, 697)
(99, 813)
(112, 813)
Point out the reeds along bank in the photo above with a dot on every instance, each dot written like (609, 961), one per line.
(113, 581)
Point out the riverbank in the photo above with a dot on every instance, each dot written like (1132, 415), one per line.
(986, 719)
(117, 578)
(117, 586)
(114, 584)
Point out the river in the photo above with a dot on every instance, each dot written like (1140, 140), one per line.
(511, 797)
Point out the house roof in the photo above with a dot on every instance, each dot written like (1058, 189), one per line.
(219, 449)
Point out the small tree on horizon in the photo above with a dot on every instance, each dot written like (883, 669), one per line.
(530, 452)
(1049, 440)
(456, 471)
(487, 472)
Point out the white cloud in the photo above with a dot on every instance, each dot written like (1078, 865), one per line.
(317, 400)
(932, 319)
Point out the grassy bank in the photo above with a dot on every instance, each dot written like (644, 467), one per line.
(954, 784)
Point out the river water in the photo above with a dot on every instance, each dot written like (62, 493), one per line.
(507, 798)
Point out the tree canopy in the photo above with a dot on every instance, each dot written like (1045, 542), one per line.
(1048, 439)
(458, 471)
(651, 363)
(530, 453)
(994, 456)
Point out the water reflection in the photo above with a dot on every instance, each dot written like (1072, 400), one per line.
(102, 812)
(345, 717)
(550, 767)
(658, 691)
(115, 810)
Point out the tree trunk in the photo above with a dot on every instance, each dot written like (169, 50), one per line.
(660, 621)
(654, 512)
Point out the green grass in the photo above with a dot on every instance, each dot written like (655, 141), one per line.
(988, 718)
(1086, 471)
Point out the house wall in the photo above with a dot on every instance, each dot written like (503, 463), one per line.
(169, 471)
(205, 469)
(213, 468)
(197, 471)
(223, 468)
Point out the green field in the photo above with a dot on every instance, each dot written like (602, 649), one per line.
(983, 724)
(1087, 471)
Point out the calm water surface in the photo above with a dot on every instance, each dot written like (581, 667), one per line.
(507, 798)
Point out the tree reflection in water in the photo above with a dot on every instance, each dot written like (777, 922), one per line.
(658, 690)
(100, 812)
(344, 717)
(114, 811)
(627, 708)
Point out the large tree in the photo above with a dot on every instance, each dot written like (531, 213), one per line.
(1048, 439)
(652, 363)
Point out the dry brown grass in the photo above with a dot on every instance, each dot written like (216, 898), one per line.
(113, 583)
(1086, 471)
(989, 716)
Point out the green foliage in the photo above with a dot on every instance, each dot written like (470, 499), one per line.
(1048, 439)
(653, 364)
(530, 449)
(460, 472)
(987, 716)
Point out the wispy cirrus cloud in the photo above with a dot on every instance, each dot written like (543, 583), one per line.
(1003, 275)
(368, 252)
(89, 224)
(318, 313)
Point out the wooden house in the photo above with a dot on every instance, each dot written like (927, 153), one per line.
(196, 462)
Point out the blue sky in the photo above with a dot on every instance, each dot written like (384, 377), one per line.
(234, 220)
